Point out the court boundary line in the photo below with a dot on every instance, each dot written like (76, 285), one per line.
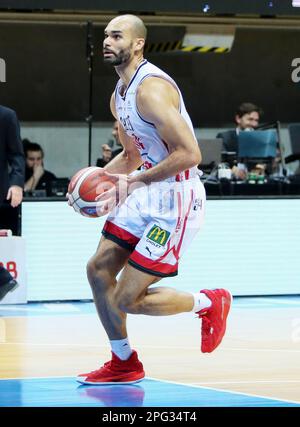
(226, 391)
(169, 382)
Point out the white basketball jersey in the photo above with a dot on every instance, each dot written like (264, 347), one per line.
(152, 149)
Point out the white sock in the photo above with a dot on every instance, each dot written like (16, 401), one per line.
(121, 348)
(200, 301)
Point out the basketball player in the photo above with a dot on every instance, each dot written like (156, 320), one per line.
(159, 209)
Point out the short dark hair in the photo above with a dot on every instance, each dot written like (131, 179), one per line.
(248, 107)
(31, 146)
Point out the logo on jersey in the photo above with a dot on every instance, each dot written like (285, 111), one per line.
(158, 235)
(149, 250)
(126, 123)
(198, 204)
(147, 165)
(137, 142)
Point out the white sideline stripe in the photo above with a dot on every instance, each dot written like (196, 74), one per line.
(226, 391)
(169, 382)
(147, 346)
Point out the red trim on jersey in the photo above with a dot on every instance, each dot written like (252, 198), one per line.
(150, 265)
(120, 233)
(179, 212)
(174, 249)
(184, 225)
(180, 177)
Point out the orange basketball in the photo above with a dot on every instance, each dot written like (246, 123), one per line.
(84, 187)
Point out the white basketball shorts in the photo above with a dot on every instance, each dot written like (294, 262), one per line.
(157, 223)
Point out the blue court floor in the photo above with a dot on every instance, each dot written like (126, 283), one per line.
(66, 392)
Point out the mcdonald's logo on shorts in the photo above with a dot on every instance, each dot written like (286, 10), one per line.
(158, 235)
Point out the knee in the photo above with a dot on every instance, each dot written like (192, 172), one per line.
(97, 274)
(91, 269)
(127, 303)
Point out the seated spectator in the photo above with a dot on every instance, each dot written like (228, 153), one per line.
(118, 146)
(106, 156)
(114, 143)
(247, 118)
(112, 148)
(36, 177)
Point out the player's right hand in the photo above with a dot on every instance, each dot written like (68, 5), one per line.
(107, 200)
(117, 194)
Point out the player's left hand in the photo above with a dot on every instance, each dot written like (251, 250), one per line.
(114, 196)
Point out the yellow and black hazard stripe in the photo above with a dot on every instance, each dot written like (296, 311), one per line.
(163, 47)
(205, 49)
(177, 46)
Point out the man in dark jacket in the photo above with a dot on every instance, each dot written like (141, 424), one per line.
(12, 165)
(246, 117)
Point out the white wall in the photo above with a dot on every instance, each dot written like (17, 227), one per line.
(248, 246)
(66, 144)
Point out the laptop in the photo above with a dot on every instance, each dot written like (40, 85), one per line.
(211, 150)
(258, 144)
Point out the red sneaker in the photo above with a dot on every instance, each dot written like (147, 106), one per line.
(214, 318)
(116, 371)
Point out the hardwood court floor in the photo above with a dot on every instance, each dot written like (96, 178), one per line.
(259, 354)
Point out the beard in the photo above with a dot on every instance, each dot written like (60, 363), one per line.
(118, 58)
